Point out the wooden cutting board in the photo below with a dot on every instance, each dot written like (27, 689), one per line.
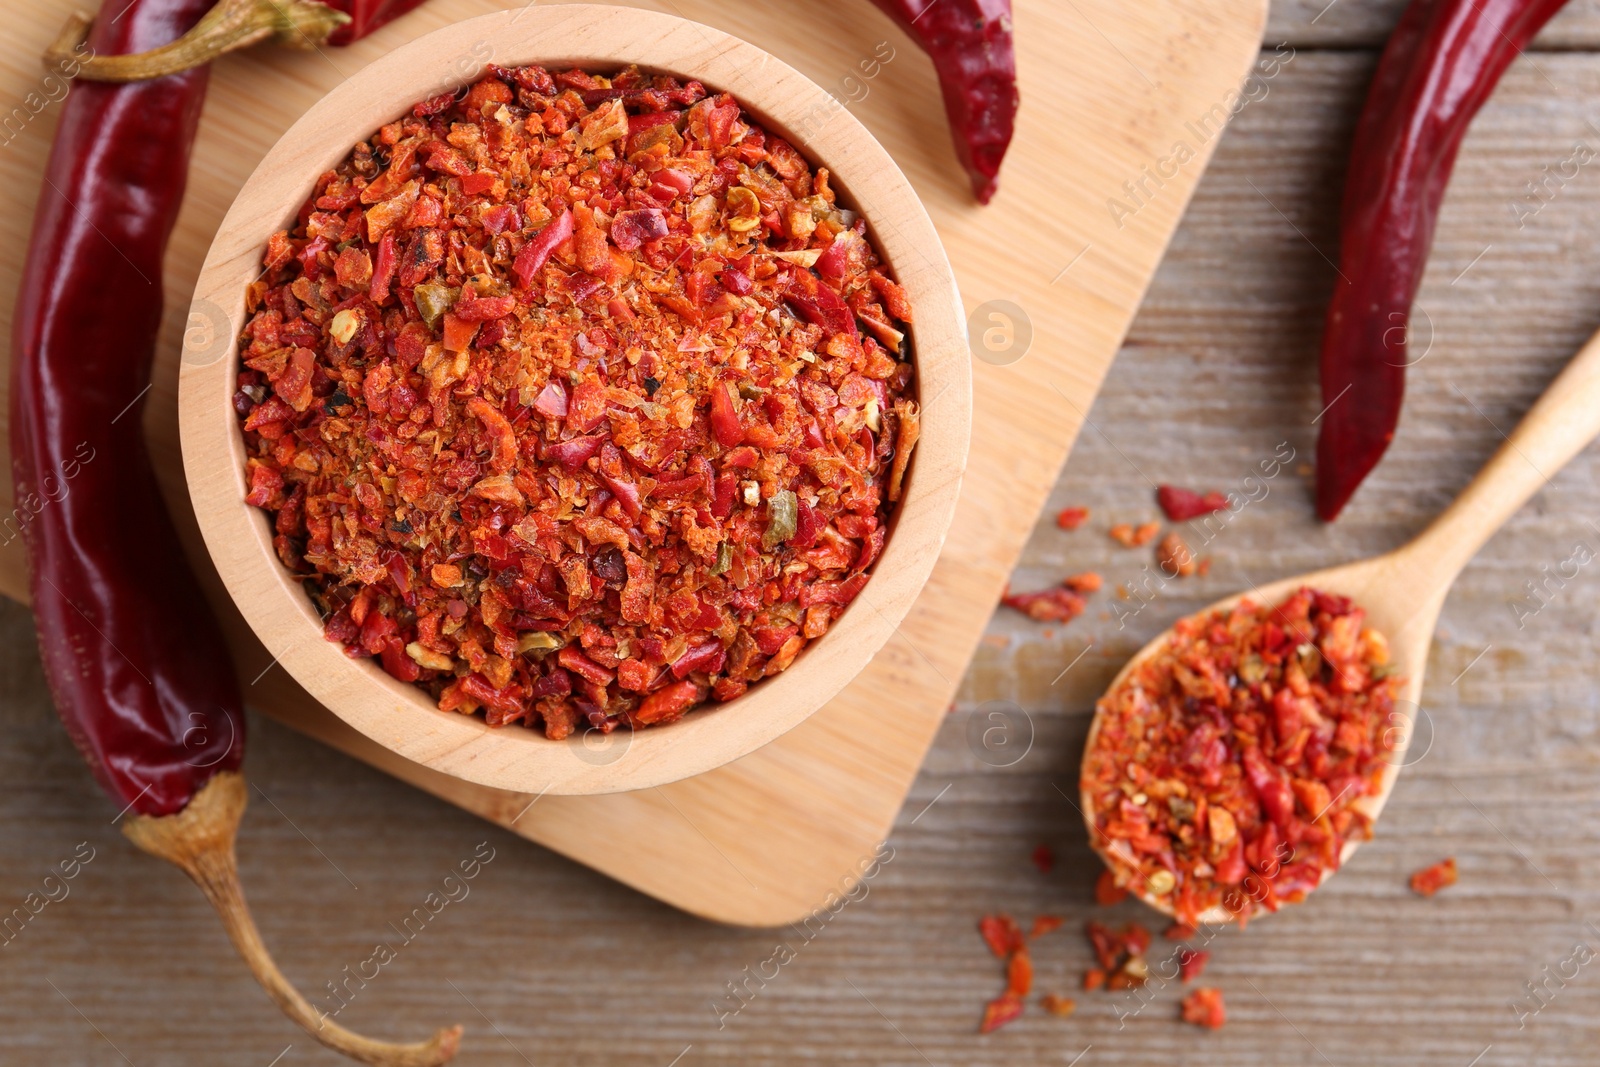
(1122, 105)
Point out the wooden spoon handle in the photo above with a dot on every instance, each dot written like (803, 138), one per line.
(1560, 424)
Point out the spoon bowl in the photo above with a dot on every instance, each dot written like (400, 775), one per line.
(1403, 590)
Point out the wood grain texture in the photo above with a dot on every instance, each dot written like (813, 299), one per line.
(1218, 369)
(401, 717)
(761, 840)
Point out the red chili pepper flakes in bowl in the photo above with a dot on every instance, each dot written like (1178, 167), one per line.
(1204, 1007)
(1430, 880)
(1228, 768)
(578, 400)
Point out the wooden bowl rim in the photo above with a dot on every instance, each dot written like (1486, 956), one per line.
(401, 717)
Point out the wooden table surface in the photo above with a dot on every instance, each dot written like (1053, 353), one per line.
(549, 963)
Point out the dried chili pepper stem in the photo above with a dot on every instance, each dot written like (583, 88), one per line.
(199, 840)
(231, 25)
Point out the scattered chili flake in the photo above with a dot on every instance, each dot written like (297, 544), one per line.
(1048, 605)
(1107, 890)
(1173, 556)
(1227, 766)
(1204, 1007)
(1045, 924)
(998, 1012)
(1178, 932)
(1072, 518)
(1094, 978)
(1133, 973)
(1181, 505)
(1044, 859)
(1191, 963)
(1135, 939)
(612, 357)
(1107, 946)
(1019, 973)
(1129, 536)
(1001, 933)
(1430, 880)
(1058, 1005)
(1087, 582)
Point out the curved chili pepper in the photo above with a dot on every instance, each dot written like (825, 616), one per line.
(970, 43)
(227, 27)
(1442, 62)
(135, 660)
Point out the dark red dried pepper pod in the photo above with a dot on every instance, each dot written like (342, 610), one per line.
(1441, 63)
(971, 45)
(135, 661)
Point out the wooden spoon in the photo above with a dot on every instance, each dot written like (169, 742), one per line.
(1403, 590)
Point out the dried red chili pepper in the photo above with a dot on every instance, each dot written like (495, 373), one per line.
(137, 666)
(1430, 880)
(1226, 766)
(970, 43)
(228, 26)
(1441, 63)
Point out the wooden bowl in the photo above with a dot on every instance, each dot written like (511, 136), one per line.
(402, 717)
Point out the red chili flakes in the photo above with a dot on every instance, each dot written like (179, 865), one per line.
(1001, 933)
(1072, 518)
(1094, 978)
(1181, 505)
(1087, 582)
(1430, 880)
(1004, 933)
(1191, 963)
(1044, 859)
(1227, 765)
(1135, 939)
(1045, 924)
(1058, 1005)
(1204, 1007)
(1019, 973)
(1178, 932)
(577, 400)
(1174, 558)
(998, 1012)
(1129, 536)
(1107, 890)
(1049, 605)
(1107, 946)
